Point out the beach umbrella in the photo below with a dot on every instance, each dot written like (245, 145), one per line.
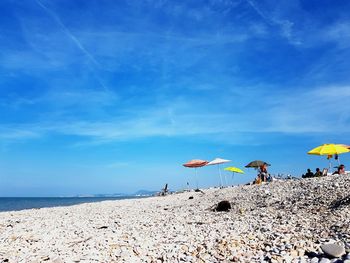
(344, 145)
(195, 164)
(218, 161)
(329, 150)
(234, 170)
(256, 164)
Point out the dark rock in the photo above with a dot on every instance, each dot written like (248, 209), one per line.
(223, 206)
(311, 254)
(191, 197)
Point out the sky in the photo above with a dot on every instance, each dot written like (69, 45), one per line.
(106, 96)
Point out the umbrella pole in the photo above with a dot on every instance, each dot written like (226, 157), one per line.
(226, 182)
(221, 184)
(195, 169)
(233, 176)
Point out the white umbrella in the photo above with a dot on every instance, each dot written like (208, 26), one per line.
(218, 161)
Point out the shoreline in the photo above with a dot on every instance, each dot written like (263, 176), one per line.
(36, 203)
(283, 221)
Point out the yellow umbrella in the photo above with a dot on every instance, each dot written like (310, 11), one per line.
(329, 149)
(344, 145)
(234, 170)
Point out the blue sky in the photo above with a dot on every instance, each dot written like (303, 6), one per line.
(114, 96)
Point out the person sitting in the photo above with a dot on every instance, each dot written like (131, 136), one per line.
(318, 172)
(308, 174)
(257, 180)
(263, 174)
(340, 170)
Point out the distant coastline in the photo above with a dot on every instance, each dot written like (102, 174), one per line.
(21, 203)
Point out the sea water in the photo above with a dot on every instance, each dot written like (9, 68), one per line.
(20, 203)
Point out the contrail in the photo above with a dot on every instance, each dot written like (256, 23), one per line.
(76, 41)
(261, 14)
(70, 35)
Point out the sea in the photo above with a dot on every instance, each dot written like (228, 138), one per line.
(21, 203)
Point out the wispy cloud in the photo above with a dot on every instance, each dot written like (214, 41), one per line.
(151, 65)
(339, 33)
(274, 18)
(19, 133)
(60, 98)
(307, 111)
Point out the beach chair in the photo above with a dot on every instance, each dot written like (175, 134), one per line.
(164, 190)
(324, 172)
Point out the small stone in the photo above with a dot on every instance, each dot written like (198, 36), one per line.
(314, 260)
(267, 248)
(294, 253)
(45, 258)
(57, 260)
(301, 252)
(287, 259)
(289, 246)
(333, 250)
(275, 250)
(324, 260)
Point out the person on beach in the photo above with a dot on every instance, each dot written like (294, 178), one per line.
(318, 172)
(263, 174)
(340, 170)
(308, 174)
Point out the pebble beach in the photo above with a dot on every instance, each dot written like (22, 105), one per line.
(296, 220)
